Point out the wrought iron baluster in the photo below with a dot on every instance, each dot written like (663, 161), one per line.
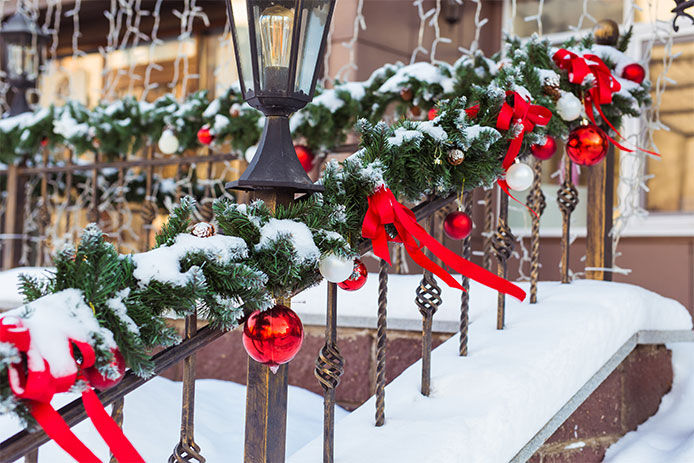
(428, 301)
(93, 214)
(502, 243)
(381, 343)
(329, 368)
(488, 229)
(149, 208)
(536, 201)
(68, 194)
(465, 297)
(32, 457)
(44, 218)
(187, 450)
(117, 415)
(567, 197)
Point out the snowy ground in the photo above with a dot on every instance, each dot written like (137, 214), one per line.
(484, 408)
(668, 436)
(153, 416)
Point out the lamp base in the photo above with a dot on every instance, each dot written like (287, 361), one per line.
(275, 164)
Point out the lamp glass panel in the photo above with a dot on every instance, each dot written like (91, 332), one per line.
(15, 60)
(274, 29)
(243, 42)
(313, 26)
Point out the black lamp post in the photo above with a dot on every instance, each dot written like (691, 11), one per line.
(22, 46)
(279, 45)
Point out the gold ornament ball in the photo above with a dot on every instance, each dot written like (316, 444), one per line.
(606, 32)
(406, 94)
(455, 157)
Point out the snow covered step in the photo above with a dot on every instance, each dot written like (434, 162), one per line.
(486, 407)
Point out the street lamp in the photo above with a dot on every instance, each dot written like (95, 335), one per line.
(22, 46)
(278, 45)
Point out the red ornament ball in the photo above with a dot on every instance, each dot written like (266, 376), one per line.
(358, 278)
(546, 150)
(457, 225)
(102, 382)
(205, 135)
(587, 145)
(273, 337)
(433, 113)
(306, 157)
(44, 141)
(634, 72)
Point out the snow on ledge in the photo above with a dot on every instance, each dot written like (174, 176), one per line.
(485, 407)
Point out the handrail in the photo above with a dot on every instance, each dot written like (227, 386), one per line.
(73, 413)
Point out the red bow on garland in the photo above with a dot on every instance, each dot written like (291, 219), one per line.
(527, 115)
(604, 85)
(385, 209)
(38, 385)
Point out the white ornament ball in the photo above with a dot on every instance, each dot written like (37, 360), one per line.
(168, 142)
(335, 269)
(569, 107)
(519, 176)
(250, 153)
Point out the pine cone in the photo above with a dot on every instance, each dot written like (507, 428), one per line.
(552, 91)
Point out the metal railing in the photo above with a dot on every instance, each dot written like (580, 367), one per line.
(329, 364)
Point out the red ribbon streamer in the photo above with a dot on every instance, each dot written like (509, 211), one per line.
(527, 115)
(605, 84)
(39, 386)
(385, 209)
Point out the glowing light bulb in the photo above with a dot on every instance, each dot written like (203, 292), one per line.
(276, 24)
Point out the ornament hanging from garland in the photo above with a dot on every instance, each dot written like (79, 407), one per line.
(455, 157)
(606, 32)
(168, 142)
(587, 145)
(519, 176)
(273, 337)
(44, 141)
(101, 381)
(235, 110)
(634, 72)
(457, 225)
(335, 269)
(569, 107)
(205, 136)
(416, 111)
(546, 150)
(306, 157)
(433, 114)
(202, 230)
(357, 278)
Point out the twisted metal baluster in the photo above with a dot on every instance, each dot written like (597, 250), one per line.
(206, 211)
(465, 297)
(44, 218)
(329, 368)
(187, 450)
(488, 229)
(567, 197)
(502, 243)
(428, 301)
(149, 208)
(117, 415)
(536, 201)
(381, 343)
(93, 214)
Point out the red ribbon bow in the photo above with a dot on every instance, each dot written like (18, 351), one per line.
(604, 85)
(385, 209)
(527, 115)
(38, 385)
